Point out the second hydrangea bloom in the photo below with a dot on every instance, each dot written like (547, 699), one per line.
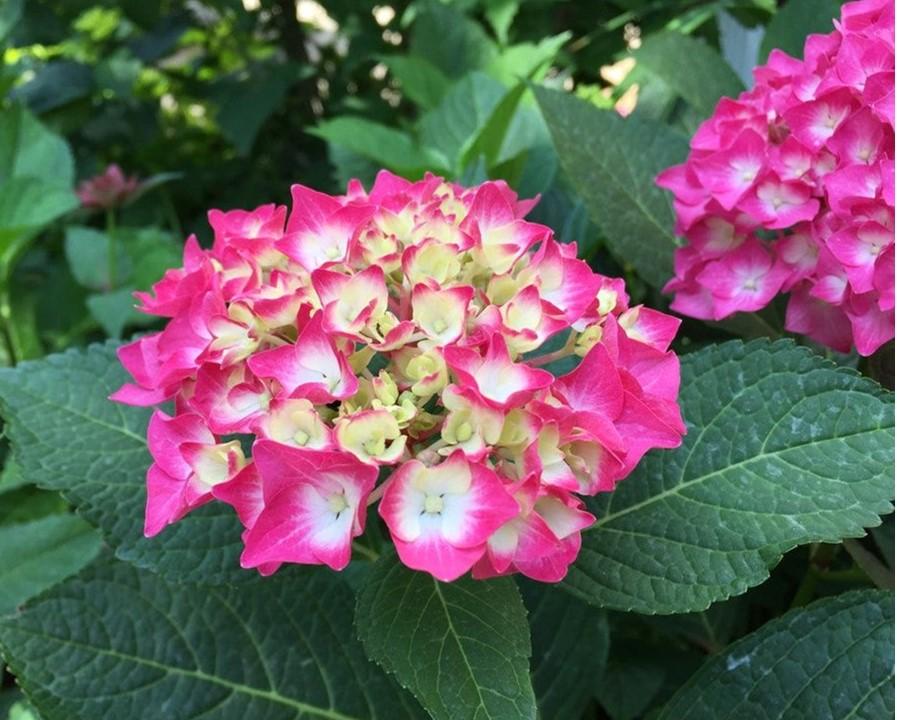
(391, 346)
(790, 188)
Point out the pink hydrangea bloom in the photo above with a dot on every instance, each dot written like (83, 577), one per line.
(389, 346)
(109, 189)
(790, 188)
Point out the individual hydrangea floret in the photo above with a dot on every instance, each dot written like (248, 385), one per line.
(398, 346)
(790, 189)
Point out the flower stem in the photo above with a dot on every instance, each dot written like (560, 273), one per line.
(113, 250)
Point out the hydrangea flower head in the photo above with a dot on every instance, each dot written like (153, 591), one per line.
(109, 189)
(397, 347)
(790, 189)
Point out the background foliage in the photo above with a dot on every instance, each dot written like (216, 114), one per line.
(732, 578)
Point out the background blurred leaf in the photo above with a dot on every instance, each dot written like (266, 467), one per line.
(54, 85)
(87, 252)
(795, 20)
(28, 149)
(450, 41)
(39, 554)
(420, 80)
(10, 13)
(385, 145)
(244, 103)
(451, 128)
(739, 45)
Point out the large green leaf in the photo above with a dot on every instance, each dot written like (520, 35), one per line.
(116, 642)
(246, 102)
(790, 26)
(420, 80)
(452, 127)
(387, 146)
(446, 38)
(27, 204)
(28, 149)
(570, 643)
(783, 448)
(462, 648)
(707, 79)
(38, 554)
(612, 162)
(67, 436)
(87, 253)
(832, 659)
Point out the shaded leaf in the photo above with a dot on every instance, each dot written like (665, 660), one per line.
(570, 643)
(796, 19)
(831, 659)
(38, 554)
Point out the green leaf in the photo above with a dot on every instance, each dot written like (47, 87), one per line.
(87, 252)
(707, 79)
(67, 436)
(24, 504)
(641, 673)
(116, 642)
(783, 449)
(114, 311)
(151, 252)
(450, 130)
(526, 60)
(570, 643)
(490, 139)
(28, 149)
(21, 711)
(39, 554)
(453, 43)
(612, 162)
(27, 204)
(55, 84)
(500, 14)
(11, 476)
(709, 629)
(462, 648)
(790, 26)
(245, 102)
(10, 14)
(385, 145)
(831, 659)
(421, 81)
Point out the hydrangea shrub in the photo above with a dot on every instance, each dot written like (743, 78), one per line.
(415, 384)
(385, 346)
(789, 188)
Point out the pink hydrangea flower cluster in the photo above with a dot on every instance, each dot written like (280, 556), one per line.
(790, 188)
(109, 189)
(398, 330)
